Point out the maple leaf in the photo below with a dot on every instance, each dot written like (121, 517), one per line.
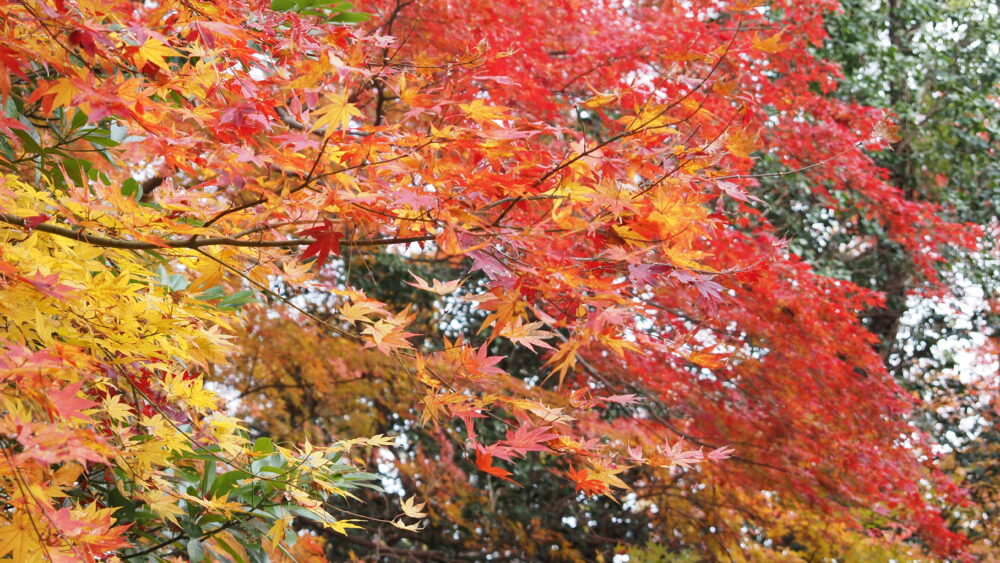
(164, 505)
(484, 462)
(68, 405)
(53, 444)
(415, 527)
(735, 192)
(564, 359)
(467, 416)
(599, 100)
(528, 335)
(706, 359)
(607, 473)
(478, 111)
(64, 90)
(276, 534)
(496, 450)
(326, 241)
(387, 337)
(438, 287)
(772, 44)
(741, 142)
(335, 114)
(626, 399)
(49, 285)
(551, 415)
(19, 539)
(341, 526)
(379, 440)
(115, 409)
(413, 510)
(154, 51)
(7, 125)
(528, 438)
(359, 310)
(481, 363)
(584, 483)
(669, 456)
(720, 454)
(746, 5)
(886, 131)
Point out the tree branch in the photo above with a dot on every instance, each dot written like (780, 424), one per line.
(108, 242)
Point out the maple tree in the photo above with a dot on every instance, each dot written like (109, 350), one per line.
(537, 258)
(940, 82)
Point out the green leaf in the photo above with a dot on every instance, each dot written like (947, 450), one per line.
(263, 445)
(211, 294)
(79, 119)
(226, 483)
(131, 188)
(101, 139)
(196, 550)
(237, 300)
(28, 142)
(230, 550)
(208, 476)
(351, 17)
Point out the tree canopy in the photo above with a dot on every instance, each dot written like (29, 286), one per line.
(418, 279)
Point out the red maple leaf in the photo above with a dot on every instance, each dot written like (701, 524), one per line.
(49, 285)
(35, 220)
(68, 405)
(326, 241)
(528, 438)
(585, 485)
(484, 462)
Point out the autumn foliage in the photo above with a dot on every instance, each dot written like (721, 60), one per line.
(242, 243)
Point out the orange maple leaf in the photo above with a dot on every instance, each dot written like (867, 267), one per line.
(484, 462)
(584, 484)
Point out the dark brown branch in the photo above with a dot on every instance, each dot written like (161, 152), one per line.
(195, 243)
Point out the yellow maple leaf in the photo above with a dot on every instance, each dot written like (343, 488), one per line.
(599, 100)
(335, 114)
(528, 335)
(387, 336)
(201, 398)
(626, 232)
(741, 142)
(64, 91)
(116, 409)
(745, 5)
(438, 287)
(342, 526)
(412, 509)
(564, 359)
(164, 505)
(67, 474)
(479, 112)
(379, 440)
(617, 344)
(154, 51)
(18, 538)
(415, 527)
(772, 44)
(276, 535)
(360, 310)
